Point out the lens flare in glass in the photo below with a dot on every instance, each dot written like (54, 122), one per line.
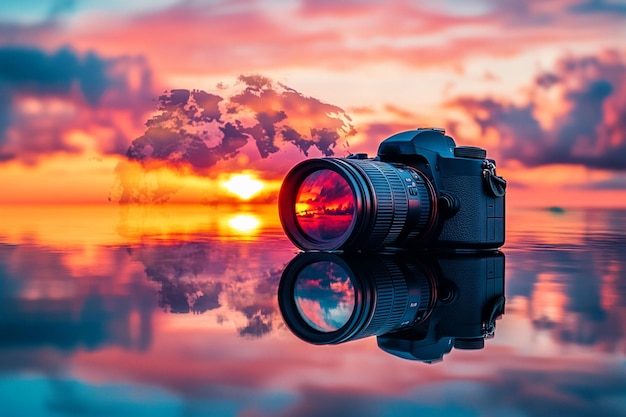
(325, 205)
(325, 296)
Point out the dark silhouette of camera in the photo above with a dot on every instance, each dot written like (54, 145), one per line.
(419, 305)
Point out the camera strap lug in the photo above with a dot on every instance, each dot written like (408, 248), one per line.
(495, 183)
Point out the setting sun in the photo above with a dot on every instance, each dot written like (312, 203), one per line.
(245, 186)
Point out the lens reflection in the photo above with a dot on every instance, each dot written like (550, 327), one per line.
(325, 205)
(324, 296)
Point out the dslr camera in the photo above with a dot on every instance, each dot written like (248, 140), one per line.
(420, 191)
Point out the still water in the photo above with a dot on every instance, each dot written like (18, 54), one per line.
(167, 311)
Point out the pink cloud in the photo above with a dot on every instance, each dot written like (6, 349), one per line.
(63, 101)
(587, 128)
(195, 131)
(199, 39)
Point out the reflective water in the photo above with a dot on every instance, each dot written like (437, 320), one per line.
(174, 311)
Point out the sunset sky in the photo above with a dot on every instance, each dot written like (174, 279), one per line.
(541, 85)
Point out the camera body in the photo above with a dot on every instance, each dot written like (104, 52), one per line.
(470, 198)
(420, 191)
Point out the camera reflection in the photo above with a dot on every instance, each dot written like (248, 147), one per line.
(419, 306)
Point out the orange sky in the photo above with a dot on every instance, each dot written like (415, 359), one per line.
(541, 86)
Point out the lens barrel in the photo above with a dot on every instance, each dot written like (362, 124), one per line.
(385, 295)
(355, 204)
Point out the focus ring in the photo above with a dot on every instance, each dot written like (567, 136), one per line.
(400, 202)
(424, 213)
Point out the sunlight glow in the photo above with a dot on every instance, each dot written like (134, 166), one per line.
(244, 223)
(245, 186)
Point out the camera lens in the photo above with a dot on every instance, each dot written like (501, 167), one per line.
(324, 206)
(324, 296)
(355, 204)
(330, 298)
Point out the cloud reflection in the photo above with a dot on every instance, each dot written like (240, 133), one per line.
(57, 317)
(44, 306)
(575, 288)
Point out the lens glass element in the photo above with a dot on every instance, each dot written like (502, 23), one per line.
(324, 295)
(325, 205)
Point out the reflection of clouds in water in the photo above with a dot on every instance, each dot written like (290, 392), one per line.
(537, 392)
(556, 388)
(257, 301)
(577, 288)
(48, 302)
(256, 384)
(178, 269)
(207, 369)
(198, 277)
(44, 305)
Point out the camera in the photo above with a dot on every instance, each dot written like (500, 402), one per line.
(421, 190)
(419, 306)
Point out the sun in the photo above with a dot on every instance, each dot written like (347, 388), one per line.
(244, 186)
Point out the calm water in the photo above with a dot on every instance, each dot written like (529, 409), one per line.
(138, 311)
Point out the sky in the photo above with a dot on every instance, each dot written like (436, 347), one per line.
(93, 106)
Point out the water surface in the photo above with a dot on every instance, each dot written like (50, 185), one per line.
(173, 311)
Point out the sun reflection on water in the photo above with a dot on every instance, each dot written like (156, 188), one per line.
(246, 224)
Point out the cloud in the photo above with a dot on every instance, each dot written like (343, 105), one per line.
(63, 101)
(256, 327)
(194, 130)
(614, 183)
(32, 70)
(257, 36)
(598, 6)
(576, 114)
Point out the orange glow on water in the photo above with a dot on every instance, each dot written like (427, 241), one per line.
(548, 300)
(88, 226)
(245, 224)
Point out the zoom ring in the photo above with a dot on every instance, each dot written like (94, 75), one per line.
(391, 208)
